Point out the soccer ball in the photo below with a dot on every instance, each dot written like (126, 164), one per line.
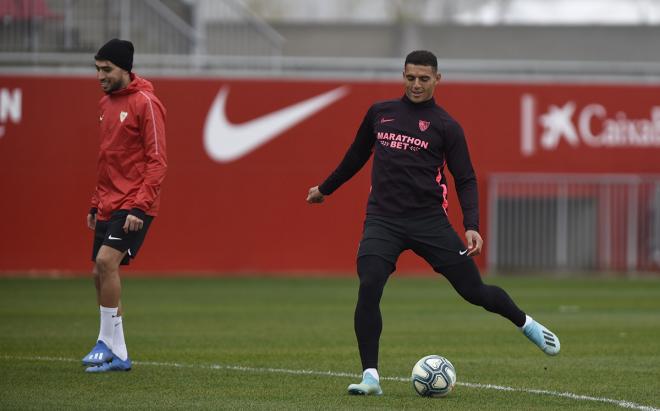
(433, 376)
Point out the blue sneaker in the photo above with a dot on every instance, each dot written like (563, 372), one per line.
(115, 365)
(542, 337)
(368, 386)
(100, 354)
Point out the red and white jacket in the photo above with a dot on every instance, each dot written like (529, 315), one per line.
(132, 158)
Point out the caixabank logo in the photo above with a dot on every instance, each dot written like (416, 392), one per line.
(589, 125)
(10, 108)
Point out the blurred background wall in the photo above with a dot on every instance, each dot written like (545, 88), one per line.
(514, 36)
(559, 100)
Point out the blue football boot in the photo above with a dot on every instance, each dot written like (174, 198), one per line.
(100, 354)
(542, 337)
(368, 386)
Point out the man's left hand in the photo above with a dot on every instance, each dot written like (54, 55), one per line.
(474, 242)
(314, 195)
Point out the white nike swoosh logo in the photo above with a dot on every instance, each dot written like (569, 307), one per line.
(226, 142)
(462, 252)
(110, 237)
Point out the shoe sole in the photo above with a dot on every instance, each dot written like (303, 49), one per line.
(357, 391)
(106, 371)
(109, 370)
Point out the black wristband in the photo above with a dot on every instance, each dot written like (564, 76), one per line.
(93, 210)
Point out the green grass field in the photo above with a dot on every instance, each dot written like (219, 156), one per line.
(277, 344)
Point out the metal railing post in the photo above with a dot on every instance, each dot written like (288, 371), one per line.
(125, 19)
(562, 225)
(632, 221)
(199, 40)
(492, 224)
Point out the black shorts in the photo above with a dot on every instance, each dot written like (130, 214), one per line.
(111, 233)
(430, 237)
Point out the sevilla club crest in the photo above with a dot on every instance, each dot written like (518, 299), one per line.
(423, 125)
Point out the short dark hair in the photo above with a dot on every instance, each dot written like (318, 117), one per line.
(422, 58)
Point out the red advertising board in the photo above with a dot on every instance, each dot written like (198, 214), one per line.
(243, 152)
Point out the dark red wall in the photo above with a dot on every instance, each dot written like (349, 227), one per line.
(250, 214)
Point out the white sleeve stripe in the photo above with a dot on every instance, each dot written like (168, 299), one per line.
(153, 119)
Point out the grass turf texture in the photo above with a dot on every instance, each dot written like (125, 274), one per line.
(609, 329)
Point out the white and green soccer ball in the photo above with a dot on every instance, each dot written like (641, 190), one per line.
(433, 376)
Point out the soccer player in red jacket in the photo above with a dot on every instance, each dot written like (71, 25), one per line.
(413, 141)
(131, 167)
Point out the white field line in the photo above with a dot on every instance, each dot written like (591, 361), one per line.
(259, 370)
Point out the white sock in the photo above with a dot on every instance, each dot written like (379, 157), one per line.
(528, 320)
(119, 345)
(107, 325)
(373, 372)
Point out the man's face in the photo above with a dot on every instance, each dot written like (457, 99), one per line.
(112, 78)
(420, 82)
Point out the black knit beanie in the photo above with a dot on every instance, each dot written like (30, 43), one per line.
(119, 52)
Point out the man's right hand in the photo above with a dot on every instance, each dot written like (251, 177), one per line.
(91, 221)
(314, 195)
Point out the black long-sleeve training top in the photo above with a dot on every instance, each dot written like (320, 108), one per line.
(412, 144)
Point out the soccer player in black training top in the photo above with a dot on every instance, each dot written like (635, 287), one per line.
(413, 140)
